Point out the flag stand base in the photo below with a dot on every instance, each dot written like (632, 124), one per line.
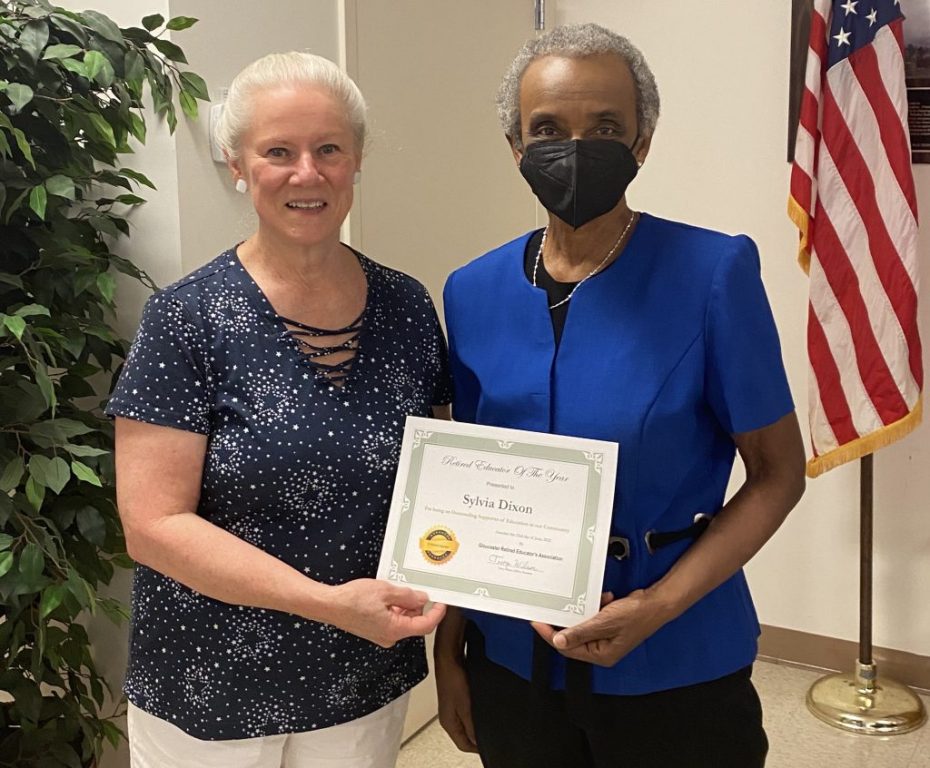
(865, 703)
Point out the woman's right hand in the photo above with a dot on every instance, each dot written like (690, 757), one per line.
(455, 704)
(380, 612)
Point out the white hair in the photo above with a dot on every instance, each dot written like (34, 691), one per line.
(293, 68)
(578, 41)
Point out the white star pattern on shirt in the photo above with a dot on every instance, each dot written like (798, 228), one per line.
(850, 7)
(842, 38)
(872, 17)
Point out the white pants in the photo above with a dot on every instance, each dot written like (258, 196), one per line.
(369, 742)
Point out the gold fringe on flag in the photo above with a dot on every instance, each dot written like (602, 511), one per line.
(801, 220)
(868, 444)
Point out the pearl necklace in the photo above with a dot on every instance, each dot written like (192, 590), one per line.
(593, 272)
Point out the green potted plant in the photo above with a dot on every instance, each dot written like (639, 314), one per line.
(71, 103)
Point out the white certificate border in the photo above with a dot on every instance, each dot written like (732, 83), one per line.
(599, 456)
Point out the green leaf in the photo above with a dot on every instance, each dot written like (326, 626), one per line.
(69, 25)
(60, 185)
(114, 610)
(5, 541)
(16, 325)
(107, 286)
(153, 22)
(51, 599)
(93, 63)
(103, 26)
(106, 75)
(136, 176)
(188, 104)
(38, 468)
(78, 67)
(45, 385)
(196, 85)
(170, 51)
(181, 22)
(135, 67)
(35, 493)
(60, 430)
(31, 562)
(23, 143)
(103, 128)
(85, 473)
(61, 51)
(84, 450)
(20, 95)
(130, 199)
(37, 200)
(92, 526)
(136, 126)
(33, 38)
(32, 309)
(81, 590)
(58, 475)
(6, 562)
(12, 474)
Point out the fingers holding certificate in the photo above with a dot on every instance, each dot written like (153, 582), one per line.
(501, 520)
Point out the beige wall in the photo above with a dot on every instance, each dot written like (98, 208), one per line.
(230, 35)
(718, 160)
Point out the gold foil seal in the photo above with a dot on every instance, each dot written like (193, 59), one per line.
(438, 545)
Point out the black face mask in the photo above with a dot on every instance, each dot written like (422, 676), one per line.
(581, 179)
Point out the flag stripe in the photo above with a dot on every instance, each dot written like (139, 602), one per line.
(894, 138)
(858, 180)
(829, 385)
(877, 305)
(863, 353)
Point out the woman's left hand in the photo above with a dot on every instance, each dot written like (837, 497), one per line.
(611, 634)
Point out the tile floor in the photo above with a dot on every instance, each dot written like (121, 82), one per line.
(797, 739)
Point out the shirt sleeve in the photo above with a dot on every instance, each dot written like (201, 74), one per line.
(746, 383)
(165, 379)
(442, 392)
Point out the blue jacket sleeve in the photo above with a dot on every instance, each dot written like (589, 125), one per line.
(746, 383)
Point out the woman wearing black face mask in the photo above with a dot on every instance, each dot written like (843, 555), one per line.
(621, 326)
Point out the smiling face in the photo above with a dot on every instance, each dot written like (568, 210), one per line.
(593, 97)
(298, 158)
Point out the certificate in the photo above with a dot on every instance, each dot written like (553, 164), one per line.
(501, 520)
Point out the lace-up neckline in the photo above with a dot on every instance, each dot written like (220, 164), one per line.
(331, 353)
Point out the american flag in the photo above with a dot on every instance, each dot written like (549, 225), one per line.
(852, 197)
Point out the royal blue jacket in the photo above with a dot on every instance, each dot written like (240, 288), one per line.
(669, 352)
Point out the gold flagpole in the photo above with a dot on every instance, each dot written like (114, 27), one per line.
(864, 702)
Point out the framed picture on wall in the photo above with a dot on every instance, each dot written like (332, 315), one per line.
(917, 76)
(801, 11)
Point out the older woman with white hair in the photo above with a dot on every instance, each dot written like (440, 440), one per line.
(258, 425)
(615, 324)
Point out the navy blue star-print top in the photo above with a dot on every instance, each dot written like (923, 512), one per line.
(295, 465)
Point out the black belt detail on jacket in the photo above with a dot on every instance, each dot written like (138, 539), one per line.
(619, 546)
(578, 674)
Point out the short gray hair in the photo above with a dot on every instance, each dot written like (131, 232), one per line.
(577, 41)
(293, 68)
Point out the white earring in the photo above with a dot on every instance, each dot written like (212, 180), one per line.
(357, 178)
(241, 186)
